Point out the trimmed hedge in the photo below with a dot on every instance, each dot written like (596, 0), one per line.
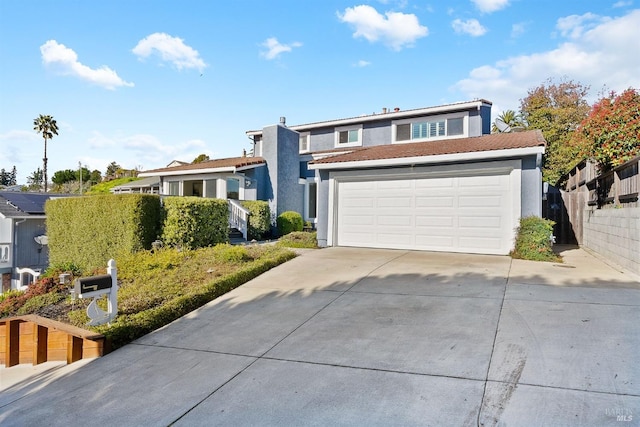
(127, 328)
(289, 221)
(259, 219)
(534, 240)
(88, 231)
(195, 222)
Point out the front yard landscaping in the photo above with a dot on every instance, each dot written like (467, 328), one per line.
(156, 287)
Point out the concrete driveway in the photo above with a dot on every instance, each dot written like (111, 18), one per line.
(346, 336)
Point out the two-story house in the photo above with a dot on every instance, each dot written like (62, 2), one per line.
(428, 179)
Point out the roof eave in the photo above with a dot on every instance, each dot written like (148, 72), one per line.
(393, 115)
(430, 159)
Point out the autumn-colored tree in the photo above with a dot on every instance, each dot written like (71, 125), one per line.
(611, 133)
(557, 110)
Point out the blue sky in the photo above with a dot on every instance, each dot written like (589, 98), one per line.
(145, 82)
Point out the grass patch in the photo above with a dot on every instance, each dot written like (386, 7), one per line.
(534, 240)
(105, 187)
(299, 239)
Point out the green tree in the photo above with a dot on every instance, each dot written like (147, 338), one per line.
(557, 110)
(508, 117)
(47, 126)
(14, 176)
(611, 132)
(112, 170)
(63, 176)
(201, 158)
(95, 177)
(34, 181)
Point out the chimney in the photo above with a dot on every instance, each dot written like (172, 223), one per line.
(283, 121)
(396, 109)
(384, 110)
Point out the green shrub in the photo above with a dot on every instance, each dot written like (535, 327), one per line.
(88, 231)
(289, 221)
(229, 253)
(259, 219)
(195, 222)
(534, 240)
(299, 239)
(37, 302)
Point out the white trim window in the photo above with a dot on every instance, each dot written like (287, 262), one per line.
(348, 136)
(432, 128)
(304, 142)
(311, 200)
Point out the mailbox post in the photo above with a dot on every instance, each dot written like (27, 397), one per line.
(96, 286)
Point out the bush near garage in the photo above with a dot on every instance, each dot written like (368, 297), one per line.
(534, 240)
(194, 222)
(259, 219)
(288, 222)
(88, 231)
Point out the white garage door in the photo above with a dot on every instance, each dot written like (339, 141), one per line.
(470, 214)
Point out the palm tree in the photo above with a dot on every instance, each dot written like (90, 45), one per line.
(510, 118)
(47, 126)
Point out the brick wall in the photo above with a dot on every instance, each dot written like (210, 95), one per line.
(614, 234)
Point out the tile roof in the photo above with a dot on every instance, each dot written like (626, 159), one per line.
(232, 162)
(498, 141)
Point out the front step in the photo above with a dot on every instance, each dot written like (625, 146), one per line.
(235, 236)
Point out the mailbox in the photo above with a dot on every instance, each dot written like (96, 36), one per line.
(93, 286)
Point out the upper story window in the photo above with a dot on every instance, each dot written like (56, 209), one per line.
(304, 142)
(348, 136)
(415, 130)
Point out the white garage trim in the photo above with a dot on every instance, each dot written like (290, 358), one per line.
(507, 177)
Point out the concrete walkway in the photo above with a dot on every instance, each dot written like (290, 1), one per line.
(346, 336)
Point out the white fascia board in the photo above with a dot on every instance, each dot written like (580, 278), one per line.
(382, 116)
(442, 158)
(189, 172)
(244, 168)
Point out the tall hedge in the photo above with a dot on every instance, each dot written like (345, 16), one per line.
(195, 222)
(88, 231)
(259, 218)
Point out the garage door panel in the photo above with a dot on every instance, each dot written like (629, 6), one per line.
(397, 202)
(432, 201)
(434, 221)
(480, 222)
(454, 214)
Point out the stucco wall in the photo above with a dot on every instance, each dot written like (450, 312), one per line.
(531, 187)
(614, 234)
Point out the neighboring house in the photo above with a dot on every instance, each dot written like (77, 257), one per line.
(150, 185)
(429, 179)
(22, 226)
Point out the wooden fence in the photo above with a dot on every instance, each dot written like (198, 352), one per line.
(586, 187)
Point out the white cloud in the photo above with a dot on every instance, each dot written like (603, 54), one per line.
(362, 63)
(170, 49)
(622, 3)
(488, 6)
(574, 26)
(518, 29)
(394, 29)
(65, 62)
(599, 58)
(470, 26)
(275, 48)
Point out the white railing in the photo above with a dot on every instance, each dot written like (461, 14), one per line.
(238, 217)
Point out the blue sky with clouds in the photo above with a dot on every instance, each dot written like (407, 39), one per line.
(144, 82)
